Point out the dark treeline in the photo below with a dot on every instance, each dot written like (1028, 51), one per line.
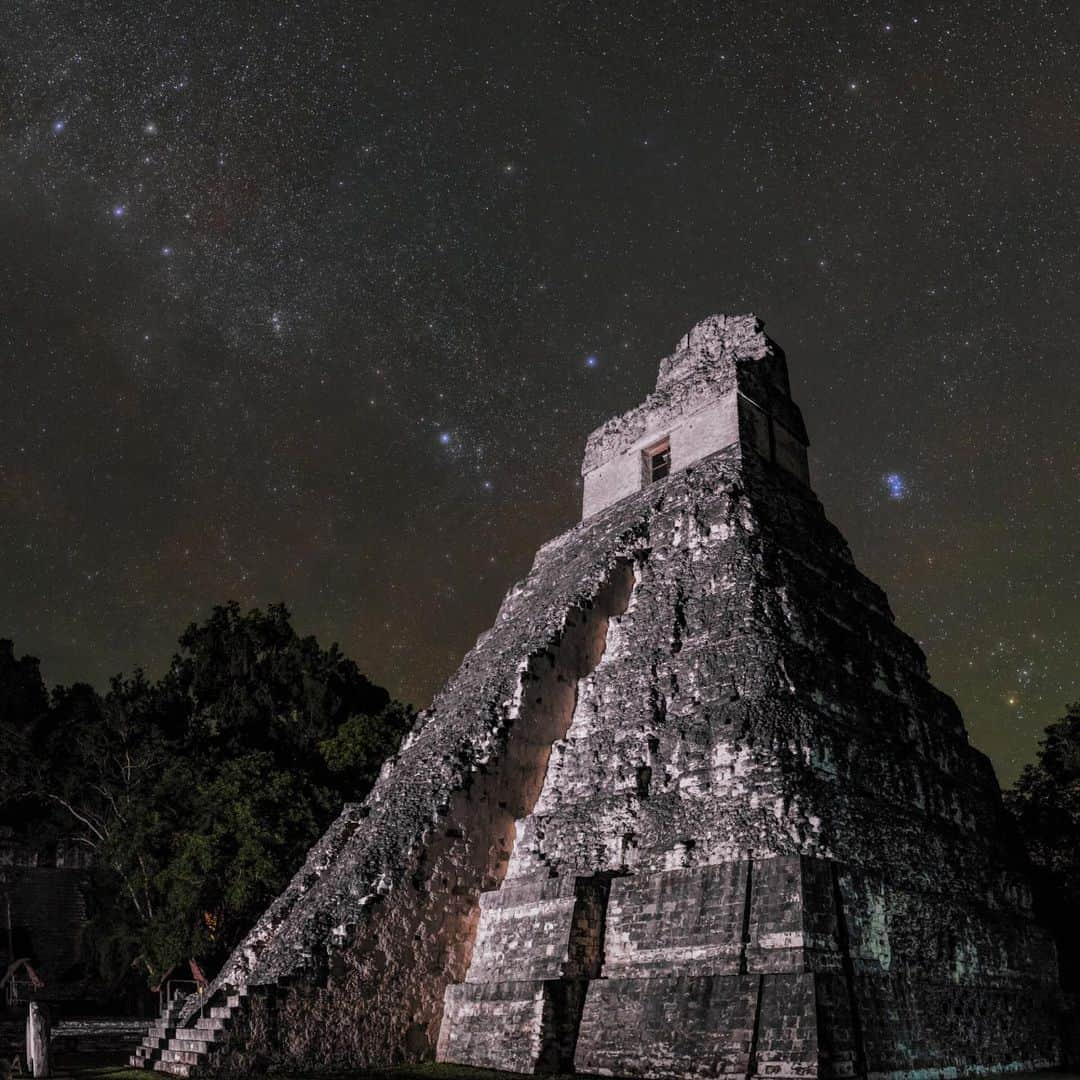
(1045, 802)
(197, 794)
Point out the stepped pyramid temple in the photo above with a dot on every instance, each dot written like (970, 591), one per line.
(691, 807)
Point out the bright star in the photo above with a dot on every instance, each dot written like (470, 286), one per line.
(59, 125)
(166, 251)
(119, 210)
(591, 360)
(444, 438)
(150, 128)
(896, 485)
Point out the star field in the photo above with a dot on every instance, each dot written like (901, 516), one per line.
(319, 302)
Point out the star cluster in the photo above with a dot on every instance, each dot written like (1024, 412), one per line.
(319, 302)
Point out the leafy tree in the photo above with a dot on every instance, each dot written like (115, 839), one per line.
(250, 821)
(22, 690)
(24, 702)
(197, 794)
(356, 752)
(255, 685)
(109, 766)
(1046, 805)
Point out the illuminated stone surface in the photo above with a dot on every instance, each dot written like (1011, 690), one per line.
(691, 807)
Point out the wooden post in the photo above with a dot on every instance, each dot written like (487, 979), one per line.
(38, 1030)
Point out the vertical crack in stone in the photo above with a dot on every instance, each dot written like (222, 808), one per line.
(755, 1032)
(748, 897)
(848, 964)
(585, 961)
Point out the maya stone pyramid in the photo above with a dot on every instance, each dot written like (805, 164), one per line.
(691, 807)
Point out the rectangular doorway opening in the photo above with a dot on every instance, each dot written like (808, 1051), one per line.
(656, 461)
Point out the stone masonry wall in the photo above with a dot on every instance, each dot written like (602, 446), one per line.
(691, 806)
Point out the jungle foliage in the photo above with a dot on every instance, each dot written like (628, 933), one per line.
(199, 793)
(1045, 802)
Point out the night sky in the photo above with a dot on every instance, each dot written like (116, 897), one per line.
(318, 302)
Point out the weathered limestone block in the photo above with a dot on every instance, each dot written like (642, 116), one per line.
(521, 1025)
(687, 921)
(673, 1025)
(38, 1039)
(544, 929)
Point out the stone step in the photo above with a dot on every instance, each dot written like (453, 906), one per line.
(181, 1051)
(176, 1068)
(183, 1057)
(196, 1046)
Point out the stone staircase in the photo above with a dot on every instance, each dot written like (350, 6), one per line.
(185, 1051)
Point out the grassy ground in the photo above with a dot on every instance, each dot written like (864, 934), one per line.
(82, 1068)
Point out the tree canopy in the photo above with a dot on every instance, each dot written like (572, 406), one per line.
(1045, 802)
(197, 794)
